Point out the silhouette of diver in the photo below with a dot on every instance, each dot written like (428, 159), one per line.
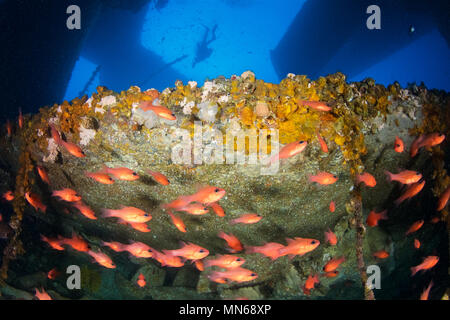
(203, 52)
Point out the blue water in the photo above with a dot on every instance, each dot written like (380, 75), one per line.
(153, 48)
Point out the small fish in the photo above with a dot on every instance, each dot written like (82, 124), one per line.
(20, 119)
(331, 274)
(121, 173)
(199, 265)
(367, 178)
(35, 201)
(67, 194)
(218, 210)
(139, 250)
(404, 177)
(114, 245)
(195, 209)
(416, 243)
(435, 220)
(428, 263)
(330, 237)
(100, 177)
(410, 192)
(85, 210)
(43, 174)
(382, 254)
(142, 227)
(333, 264)
(177, 222)
(8, 128)
(233, 242)
(159, 177)
(289, 150)
(141, 281)
(76, 242)
(236, 275)
(189, 251)
(160, 111)
(399, 146)
(415, 226)
(42, 295)
(426, 292)
(443, 199)
(374, 217)
(298, 246)
(54, 243)
(102, 259)
(128, 214)
(323, 178)
(270, 249)
(226, 261)
(8, 196)
(317, 105)
(322, 142)
(247, 218)
(168, 260)
(332, 206)
(53, 274)
(72, 148)
(207, 195)
(431, 140)
(310, 283)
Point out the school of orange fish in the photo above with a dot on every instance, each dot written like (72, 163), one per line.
(208, 197)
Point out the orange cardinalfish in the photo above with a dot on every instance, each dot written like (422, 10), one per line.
(415, 146)
(199, 265)
(67, 194)
(289, 150)
(160, 111)
(35, 201)
(102, 259)
(218, 210)
(382, 254)
(85, 210)
(332, 206)
(195, 209)
(374, 217)
(142, 227)
(367, 178)
(54, 243)
(236, 275)
(139, 250)
(167, 260)
(316, 105)
(114, 245)
(443, 199)
(42, 295)
(399, 146)
(189, 251)
(333, 264)
(298, 246)
(8, 196)
(43, 174)
(323, 178)
(72, 148)
(53, 274)
(410, 192)
(431, 140)
(159, 177)
(178, 223)
(141, 281)
(76, 242)
(20, 120)
(416, 243)
(247, 218)
(310, 283)
(121, 173)
(100, 177)
(8, 128)
(207, 195)
(128, 214)
(415, 226)
(426, 292)
(233, 242)
(331, 274)
(330, 237)
(404, 177)
(322, 142)
(226, 261)
(428, 263)
(270, 249)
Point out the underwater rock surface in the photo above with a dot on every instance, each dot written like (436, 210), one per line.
(113, 131)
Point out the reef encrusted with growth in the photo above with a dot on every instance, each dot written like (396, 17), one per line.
(113, 130)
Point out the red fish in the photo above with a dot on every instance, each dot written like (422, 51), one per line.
(330, 237)
(416, 243)
(177, 222)
(289, 150)
(139, 250)
(367, 178)
(141, 280)
(42, 295)
(20, 120)
(116, 246)
(54, 243)
(431, 140)
(85, 210)
(76, 242)
(142, 227)
(102, 259)
(226, 261)
(218, 210)
(317, 105)
(415, 146)
(8, 128)
(428, 263)
(207, 195)
(310, 283)
(415, 226)
(298, 246)
(233, 242)
(333, 264)
(43, 174)
(410, 192)
(443, 199)
(121, 173)
(72, 148)
(323, 178)
(8, 196)
(199, 265)
(35, 201)
(382, 254)
(426, 292)
(53, 274)
(67, 194)
(100, 177)
(399, 145)
(160, 111)
(331, 274)
(189, 251)
(270, 249)
(322, 142)
(168, 260)
(332, 206)
(196, 209)
(159, 177)
(248, 218)
(236, 275)
(128, 214)
(404, 177)
(374, 217)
